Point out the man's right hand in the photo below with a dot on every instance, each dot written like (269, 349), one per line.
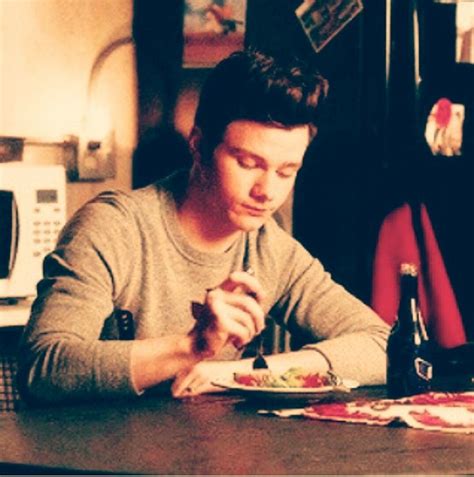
(232, 313)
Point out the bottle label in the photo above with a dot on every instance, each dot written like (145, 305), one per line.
(424, 369)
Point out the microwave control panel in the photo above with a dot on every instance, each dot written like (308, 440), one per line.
(48, 219)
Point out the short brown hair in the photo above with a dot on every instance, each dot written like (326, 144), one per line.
(250, 85)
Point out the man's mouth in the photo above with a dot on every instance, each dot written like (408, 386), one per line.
(256, 210)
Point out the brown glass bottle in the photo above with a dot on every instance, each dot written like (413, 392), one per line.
(409, 368)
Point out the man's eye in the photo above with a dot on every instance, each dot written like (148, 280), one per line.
(247, 162)
(287, 173)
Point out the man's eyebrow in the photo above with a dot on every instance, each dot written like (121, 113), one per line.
(246, 152)
(296, 165)
(242, 150)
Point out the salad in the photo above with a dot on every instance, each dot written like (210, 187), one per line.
(292, 378)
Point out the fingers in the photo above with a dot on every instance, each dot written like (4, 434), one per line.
(243, 291)
(232, 313)
(246, 283)
(186, 384)
(199, 379)
(238, 315)
(239, 307)
(192, 383)
(194, 389)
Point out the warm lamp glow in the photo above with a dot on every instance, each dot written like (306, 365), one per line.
(97, 122)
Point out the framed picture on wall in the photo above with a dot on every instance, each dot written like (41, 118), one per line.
(212, 30)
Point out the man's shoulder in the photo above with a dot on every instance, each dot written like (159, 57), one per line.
(136, 200)
(146, 208)
(162, 191)
(118, 201)
(113, 211)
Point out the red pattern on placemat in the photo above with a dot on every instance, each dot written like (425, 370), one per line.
(342, 412)
(444, 412)
(429, 420)
(451, 399)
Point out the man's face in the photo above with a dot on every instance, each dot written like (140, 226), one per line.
(252, 172)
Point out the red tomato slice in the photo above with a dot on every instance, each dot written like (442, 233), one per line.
(314, 381)
(246, 380)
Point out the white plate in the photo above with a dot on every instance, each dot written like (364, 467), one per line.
(293, 394)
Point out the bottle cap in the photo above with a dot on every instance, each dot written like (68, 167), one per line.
(409, 269)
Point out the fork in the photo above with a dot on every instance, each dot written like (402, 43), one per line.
(259, 361)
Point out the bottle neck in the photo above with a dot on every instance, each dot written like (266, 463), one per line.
(409, 286)
(409, 314)
(408, 308)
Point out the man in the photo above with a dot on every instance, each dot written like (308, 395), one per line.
(199, 261)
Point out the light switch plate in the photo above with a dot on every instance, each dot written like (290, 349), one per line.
(94, 161)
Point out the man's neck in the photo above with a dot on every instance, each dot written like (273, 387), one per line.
(203, 229)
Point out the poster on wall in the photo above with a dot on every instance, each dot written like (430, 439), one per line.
(322, 20)
(212, 30)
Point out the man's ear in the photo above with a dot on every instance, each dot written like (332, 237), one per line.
(195, 144)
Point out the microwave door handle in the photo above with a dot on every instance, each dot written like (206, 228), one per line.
(10, 233)
(15, 233)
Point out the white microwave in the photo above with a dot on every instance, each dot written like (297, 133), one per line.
(32, 213)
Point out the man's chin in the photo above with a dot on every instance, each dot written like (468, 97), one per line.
(249, 224)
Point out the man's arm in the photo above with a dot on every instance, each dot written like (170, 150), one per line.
(320, 313)
(231, 314)
(199, 379)
(155, 360)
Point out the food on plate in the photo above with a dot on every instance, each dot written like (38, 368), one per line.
(292, 378)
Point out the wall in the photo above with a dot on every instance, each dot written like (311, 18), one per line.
(48, 50)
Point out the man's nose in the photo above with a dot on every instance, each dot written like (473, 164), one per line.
(264, 187)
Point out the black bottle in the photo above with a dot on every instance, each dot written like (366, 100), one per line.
(409, 368)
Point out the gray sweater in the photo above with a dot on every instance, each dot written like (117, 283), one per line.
(126, 250)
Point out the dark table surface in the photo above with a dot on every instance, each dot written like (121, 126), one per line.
(216, 435)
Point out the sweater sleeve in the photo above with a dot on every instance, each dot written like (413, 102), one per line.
(322, 315)
(61, 355)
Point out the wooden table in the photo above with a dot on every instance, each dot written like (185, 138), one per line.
(216, 435)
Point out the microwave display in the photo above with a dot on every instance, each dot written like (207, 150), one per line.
(46, 196)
